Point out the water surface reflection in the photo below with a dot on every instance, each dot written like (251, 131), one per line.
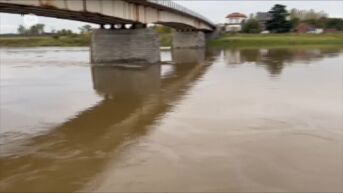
(65, 158)
(208, 120)
(274, 60)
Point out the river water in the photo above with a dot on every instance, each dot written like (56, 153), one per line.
(234, 120)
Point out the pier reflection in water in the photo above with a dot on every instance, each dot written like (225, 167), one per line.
(134, 98)
(208, 120)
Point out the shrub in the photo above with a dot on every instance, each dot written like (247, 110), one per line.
(251, 26)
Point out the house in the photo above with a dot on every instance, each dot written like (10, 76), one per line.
(235, 22)
(304, 28)
(262, 18)
(330, 30)
(307, 28)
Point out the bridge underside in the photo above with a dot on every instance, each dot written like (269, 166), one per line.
(80, 16)
(113, 46)
(110, 12)
(63, 14)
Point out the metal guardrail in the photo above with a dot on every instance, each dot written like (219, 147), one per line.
(173, 5)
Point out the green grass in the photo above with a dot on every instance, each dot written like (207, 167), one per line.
(276, 40)
(237, 40)
(166, 39)
(64, 41)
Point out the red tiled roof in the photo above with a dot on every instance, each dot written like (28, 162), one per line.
(236, 14)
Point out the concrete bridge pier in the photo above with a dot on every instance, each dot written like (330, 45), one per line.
(189, 39)
(124, 46)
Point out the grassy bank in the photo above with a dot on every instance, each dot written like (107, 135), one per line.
(274, 40)
(238, 40)
(166, 39)
(62, 41)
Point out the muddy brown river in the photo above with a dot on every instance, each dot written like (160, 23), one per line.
(212, 120)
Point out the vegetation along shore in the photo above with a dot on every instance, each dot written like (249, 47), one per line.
(271, 40)
(229, 40)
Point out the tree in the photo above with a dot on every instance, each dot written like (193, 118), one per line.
(251, 26)
(86, 29)
(278, 22)
(294, 22)
(65, 32)
(162, 29)
(22, 30)
(334, 23)
(310, 17)
(307, 14)
(317, 23)
(33, 30)
(37, 29)
(40, 29)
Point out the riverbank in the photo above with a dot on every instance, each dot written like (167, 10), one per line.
(53, 41)
(61, 41)
(275, 40)
(237, 40)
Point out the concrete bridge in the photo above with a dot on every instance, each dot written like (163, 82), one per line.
(128, 39)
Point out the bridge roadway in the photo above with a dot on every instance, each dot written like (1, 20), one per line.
(128, 40)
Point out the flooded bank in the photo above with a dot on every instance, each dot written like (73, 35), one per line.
(233, 120)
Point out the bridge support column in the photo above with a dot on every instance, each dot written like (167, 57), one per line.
(124, 46)
(189, 39)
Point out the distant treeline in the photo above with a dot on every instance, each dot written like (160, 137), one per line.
(39, 29)
(31, 37)
(283, 21)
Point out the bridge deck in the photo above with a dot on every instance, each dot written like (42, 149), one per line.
(112, 12)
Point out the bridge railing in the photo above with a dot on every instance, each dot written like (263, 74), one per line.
(173, 5)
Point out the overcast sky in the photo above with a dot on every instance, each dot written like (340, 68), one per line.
(214, 10)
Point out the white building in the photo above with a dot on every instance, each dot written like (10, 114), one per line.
(235, 22)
